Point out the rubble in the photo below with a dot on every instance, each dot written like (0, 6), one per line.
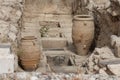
(114, 68)
(93, 61)
(102, 71)
(104, 53)
(54, 76)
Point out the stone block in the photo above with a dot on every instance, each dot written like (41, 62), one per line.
(54, 43)
(6, 63)
(115, 43)
(5, 48)
(114, 68)
(103, 63)
(104, 53)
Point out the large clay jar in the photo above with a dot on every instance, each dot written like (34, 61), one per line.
(82, 33)
(30, 56)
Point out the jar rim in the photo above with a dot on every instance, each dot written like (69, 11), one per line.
(83, 17)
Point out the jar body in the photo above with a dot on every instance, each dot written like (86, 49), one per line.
(82, 33)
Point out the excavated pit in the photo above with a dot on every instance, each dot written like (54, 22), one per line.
(58, 52)
(25, 18)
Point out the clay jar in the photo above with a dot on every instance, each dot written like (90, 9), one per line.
(30, 57)
(82, 33)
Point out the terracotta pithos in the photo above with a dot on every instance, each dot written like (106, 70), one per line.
(30, 57)
(82, 33)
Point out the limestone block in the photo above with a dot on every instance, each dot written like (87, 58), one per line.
(104, 63)
(6, 63)
(54, 43)
(104, 53)
(114, 40)
(101, 71)
(115, 43)
(114, 68)
(5, 48)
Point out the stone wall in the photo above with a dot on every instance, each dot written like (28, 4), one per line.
(49, 6)
(10, 14)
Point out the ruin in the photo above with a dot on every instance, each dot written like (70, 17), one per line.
(47, 29)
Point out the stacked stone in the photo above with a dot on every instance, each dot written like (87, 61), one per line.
(10, 14)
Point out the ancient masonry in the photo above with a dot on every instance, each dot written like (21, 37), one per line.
(37, 40)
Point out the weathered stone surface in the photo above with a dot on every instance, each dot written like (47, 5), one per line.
(104, 53)
(101, 71)
(10, 14)
(115, 43)
(55, 76)
(5, 48)
(6, 63)
(13, 29)
(46, 6)
(114, 68)
(94, 61)
(12, 36)
(109, 62)
(54, 43)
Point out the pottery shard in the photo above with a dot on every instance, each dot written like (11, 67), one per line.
(114, 68)
(105, 53)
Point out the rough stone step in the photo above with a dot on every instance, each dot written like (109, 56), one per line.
(66, 30)
(48, 15)
(65, 69)
(55, 52)
(66, 25)
(42, 18)
(29, 34)
(36, 18)
(47, 12)
(31, 28)
(54, 43)
(30, 24)
(109, 61)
